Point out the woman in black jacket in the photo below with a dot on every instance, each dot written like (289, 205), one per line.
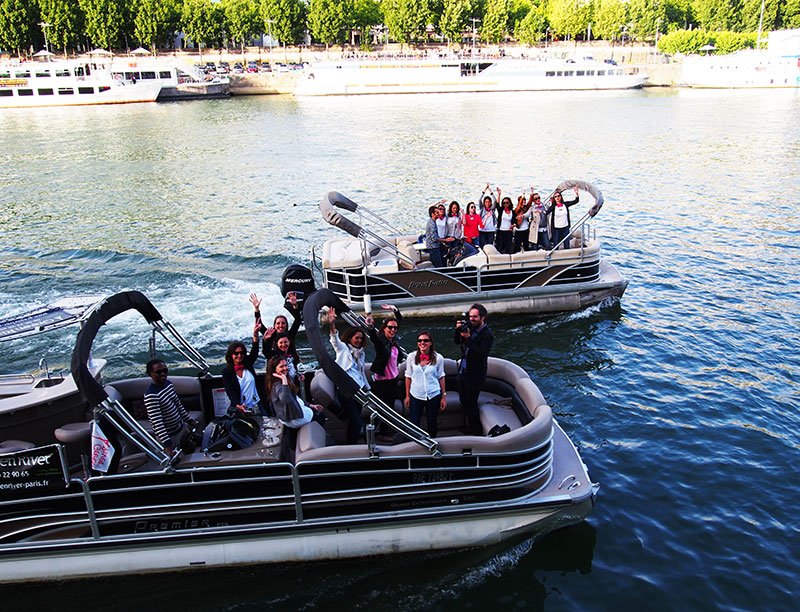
(388, 355)
(239, 376)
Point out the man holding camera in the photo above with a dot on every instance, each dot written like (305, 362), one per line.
(476, 339)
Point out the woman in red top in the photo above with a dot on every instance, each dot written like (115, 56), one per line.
(472, 224)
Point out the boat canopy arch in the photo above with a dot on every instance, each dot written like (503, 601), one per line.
(588, 188)
(106, 310)
(347, 386)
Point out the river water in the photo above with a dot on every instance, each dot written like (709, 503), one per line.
(683, 396)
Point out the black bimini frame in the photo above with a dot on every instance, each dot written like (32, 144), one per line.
(346, 385)
(93, 392)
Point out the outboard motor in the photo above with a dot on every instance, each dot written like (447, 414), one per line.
(299, 279)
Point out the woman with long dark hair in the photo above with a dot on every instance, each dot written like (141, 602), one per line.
(425, 390)
(239, 376)
(290, 409)
(505, 225)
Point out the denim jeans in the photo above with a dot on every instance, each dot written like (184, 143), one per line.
(431, 409)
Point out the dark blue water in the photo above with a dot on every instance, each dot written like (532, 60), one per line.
(683, 397)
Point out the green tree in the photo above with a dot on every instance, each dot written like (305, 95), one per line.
(328, 19)
(517, 10)
(202, 22)
(65, 19)
(716, 14)
(531, 29)
(495, 21)
(646, 17)
(18, 18)
(453, 21)
(751, 12)
(103, 22)
(608, 19)
(569, 17)
(790, 14)
(155, 22)
(406, 19)
(242, 20)
(365, 15)
(285, 19)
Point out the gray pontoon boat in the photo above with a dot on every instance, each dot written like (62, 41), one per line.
(276, 501)
(370, 266)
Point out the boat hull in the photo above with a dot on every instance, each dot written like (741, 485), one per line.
(462, 76)
(537, 300)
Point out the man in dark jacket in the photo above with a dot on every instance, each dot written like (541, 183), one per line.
(476, 339)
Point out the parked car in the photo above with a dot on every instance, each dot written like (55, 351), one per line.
(252, 66)
(237, 68)
(265, 67)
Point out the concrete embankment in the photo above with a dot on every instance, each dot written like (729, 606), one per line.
(263, 83)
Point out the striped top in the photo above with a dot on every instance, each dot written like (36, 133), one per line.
(165, 411)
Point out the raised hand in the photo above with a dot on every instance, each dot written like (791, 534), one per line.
(255, 301)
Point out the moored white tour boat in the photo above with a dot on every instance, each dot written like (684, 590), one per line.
(370, 267)
(777, 66)
(68, 83)
(352, 77)
(280, 499)
(177, 82)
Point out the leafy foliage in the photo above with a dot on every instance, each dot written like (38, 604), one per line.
(531, 29)
(454, 17)
(406, 19)
(327, 19)
(569, 17)
(495, 21)
(202, 21)
(287, 19)
(18, 18)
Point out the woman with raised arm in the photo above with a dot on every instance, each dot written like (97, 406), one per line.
(350, 357)
(385, 367)
(425, 390)
(558, 214)
(540, 235)
(505, 224)
(279, 325)
(239, 376)
(488, 217)
(522, 225)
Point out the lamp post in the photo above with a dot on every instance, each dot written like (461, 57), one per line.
(269, 50)
(44, 25)
(474, 32)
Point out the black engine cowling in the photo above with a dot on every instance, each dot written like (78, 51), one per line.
(299, 279)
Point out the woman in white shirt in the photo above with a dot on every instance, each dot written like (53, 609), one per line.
(350, 357)
(425, 383)
(522, 222)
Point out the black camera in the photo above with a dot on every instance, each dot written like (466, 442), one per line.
(462, 325)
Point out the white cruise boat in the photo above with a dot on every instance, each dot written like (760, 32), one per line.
(778, 66)
(177, 82)
(369, 76)
(68, 83)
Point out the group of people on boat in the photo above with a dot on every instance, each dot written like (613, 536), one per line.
(530, 225)
(421, 389)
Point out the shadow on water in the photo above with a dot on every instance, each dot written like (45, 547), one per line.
(508, 574)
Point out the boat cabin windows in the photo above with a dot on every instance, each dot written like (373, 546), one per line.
(24, 92)
(79, 71)
(22, 74)
(6, 93)
(85, 90)
(581, 73)
(569, 73)
(65, 91)
(148, 74)
(46, 91)
(601, 72)
(473, 68)
(551, 73)
(43, 73)
(62, 72)
(103, 88)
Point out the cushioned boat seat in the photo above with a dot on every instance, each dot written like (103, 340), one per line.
(74, 433)
(14, 446)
